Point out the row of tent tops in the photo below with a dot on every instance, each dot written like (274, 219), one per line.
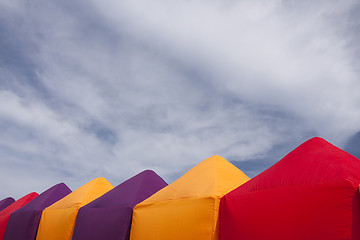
(309, 194)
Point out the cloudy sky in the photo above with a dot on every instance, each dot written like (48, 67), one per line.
(92, 88)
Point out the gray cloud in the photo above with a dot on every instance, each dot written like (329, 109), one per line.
(265, 51)
(109, 89)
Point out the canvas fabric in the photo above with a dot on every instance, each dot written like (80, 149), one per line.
(187, 208)
(312, 193)
(58, 220)
(6, 202)
(23, 223)
(5, 213)
(109, 216)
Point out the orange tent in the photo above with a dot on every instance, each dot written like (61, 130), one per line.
(58, 220)
(188, 208)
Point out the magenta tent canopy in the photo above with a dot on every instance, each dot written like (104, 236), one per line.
(109, 217)
(6, 202)
(24, 222)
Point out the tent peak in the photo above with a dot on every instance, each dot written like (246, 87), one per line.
(83, 194)
(214, 176)
(314, 161)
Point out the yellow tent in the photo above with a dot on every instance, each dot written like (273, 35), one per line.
(58, 220)
(189, 207)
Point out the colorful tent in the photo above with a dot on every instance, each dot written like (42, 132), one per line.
(188, 208)
(109, 217)
(312, 193)
(5, 213)
(6, 202)
(58, 220)
(23, 223)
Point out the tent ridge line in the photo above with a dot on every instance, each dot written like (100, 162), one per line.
(171, 199)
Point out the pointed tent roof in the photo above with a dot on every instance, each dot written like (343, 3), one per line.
(314, 161)
(130, 192)
(24, 222)
(57, 221)
(214, 176)
(5, 213)
(315, 186)
(84, 194)
(109, 216)
(187, 208)
(6, 202)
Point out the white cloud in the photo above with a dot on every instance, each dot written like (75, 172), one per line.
(36, 139)
(295, 56)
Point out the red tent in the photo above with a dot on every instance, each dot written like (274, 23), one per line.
(5, 214)
(312, 194)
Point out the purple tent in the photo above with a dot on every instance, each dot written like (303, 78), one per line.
(6, 202)
(109, 217)
(23, 223)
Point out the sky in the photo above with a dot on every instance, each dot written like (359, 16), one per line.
(111, 88)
